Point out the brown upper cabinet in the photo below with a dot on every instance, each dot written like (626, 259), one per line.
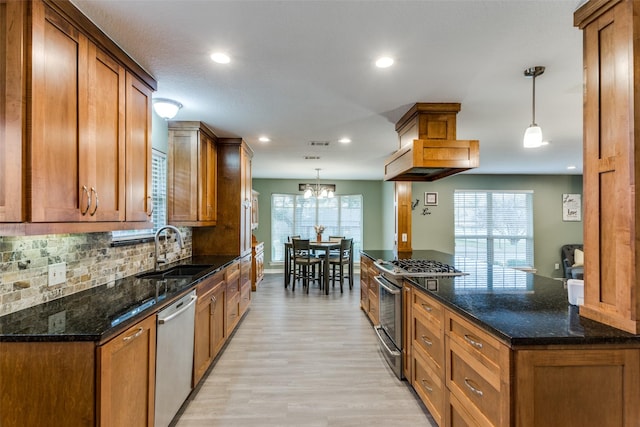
(76, 146)
(192, 174)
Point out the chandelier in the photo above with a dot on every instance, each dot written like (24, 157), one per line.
(317, 190)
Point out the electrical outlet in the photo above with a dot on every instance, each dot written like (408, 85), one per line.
(557, 266)
(404, 237)
(57, 273)
(58, 322)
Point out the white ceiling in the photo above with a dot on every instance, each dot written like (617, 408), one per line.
(303, 71)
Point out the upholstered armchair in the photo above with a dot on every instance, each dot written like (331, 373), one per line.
(573, 265)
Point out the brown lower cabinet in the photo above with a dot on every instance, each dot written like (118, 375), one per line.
(369, 297)
(468, 377)
(210, 331)
(112, 384)
(126, 376)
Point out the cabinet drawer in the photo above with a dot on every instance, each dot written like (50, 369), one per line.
(477, 391)
(208, 284)
(232, 289)
(428, 384)
(232, 272)
(474, 340)
(428, 336)
(429, 307)
(456, 416)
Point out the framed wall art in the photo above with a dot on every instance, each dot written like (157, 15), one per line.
(431, 199)
(571, 207)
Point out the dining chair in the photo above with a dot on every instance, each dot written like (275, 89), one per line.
(342, 259)
(304, 264)
(288, 258)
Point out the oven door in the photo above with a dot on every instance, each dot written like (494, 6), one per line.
(390, 329)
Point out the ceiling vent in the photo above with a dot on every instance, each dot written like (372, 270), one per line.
(312, 157)
(319, 143)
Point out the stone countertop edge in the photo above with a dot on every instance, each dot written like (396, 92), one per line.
(599, 334)
(217, 262)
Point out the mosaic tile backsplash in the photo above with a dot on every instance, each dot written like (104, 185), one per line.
(90, 261)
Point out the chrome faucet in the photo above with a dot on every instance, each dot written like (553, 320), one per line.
(157, 238)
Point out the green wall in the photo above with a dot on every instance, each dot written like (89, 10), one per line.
(373, 218)
(435, 231)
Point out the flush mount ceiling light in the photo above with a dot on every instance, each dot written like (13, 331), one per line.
(384, 62)
(264, 139)
(344, 140)
(166, 108)
(533, 134)
(316, 190)
(220, 58)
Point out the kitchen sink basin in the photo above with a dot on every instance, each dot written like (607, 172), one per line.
(179, 271)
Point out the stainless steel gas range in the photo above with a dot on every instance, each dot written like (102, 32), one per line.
(389, 280)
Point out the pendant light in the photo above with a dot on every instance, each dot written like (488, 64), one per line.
(533, 134)
(318, 191)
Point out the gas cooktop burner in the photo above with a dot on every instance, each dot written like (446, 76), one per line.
(425, 266)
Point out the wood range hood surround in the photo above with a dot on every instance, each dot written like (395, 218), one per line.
(428, 149)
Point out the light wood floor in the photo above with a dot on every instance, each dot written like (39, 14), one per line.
(303, 360)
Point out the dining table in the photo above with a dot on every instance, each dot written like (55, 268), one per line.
(325, 247)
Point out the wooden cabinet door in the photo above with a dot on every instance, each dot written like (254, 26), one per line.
(139, 206)
(126, 377)
(207, 179)
(596, 387)
(207, 324)
(102, 155)
(183, 176)
(203, 340)
(219, 317)
(12, 83)
(59, 60)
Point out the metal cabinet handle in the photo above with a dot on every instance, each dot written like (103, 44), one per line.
(85, 190)
(135, 335)
(424, 384)
(473, 387)
(93, 190)
(151, 204)
(473, 341)
(426, 341)
(427, 307)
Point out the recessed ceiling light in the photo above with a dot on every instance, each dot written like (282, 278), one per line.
(263, 139)
(220, 58)
(344, 140)
(571, 167)
(384, 62)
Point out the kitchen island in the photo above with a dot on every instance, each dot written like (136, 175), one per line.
(500, 346)
(89, 358)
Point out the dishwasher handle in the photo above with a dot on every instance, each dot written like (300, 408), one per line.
(179, 312)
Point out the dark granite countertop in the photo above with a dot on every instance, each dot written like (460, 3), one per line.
(99, 313)
(521, 309)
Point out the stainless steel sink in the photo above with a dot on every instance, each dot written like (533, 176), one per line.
(179, 271)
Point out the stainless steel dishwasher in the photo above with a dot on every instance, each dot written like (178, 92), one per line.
(174, 357)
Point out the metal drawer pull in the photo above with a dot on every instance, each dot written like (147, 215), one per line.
(93, 190)
(424, 384)
(134, 335)
(473, 341)
(473, 387)
(426, 341)
(426, 307)
(85, 190)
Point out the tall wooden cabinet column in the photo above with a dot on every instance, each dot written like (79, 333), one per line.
(611, 30)
(232, 234)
